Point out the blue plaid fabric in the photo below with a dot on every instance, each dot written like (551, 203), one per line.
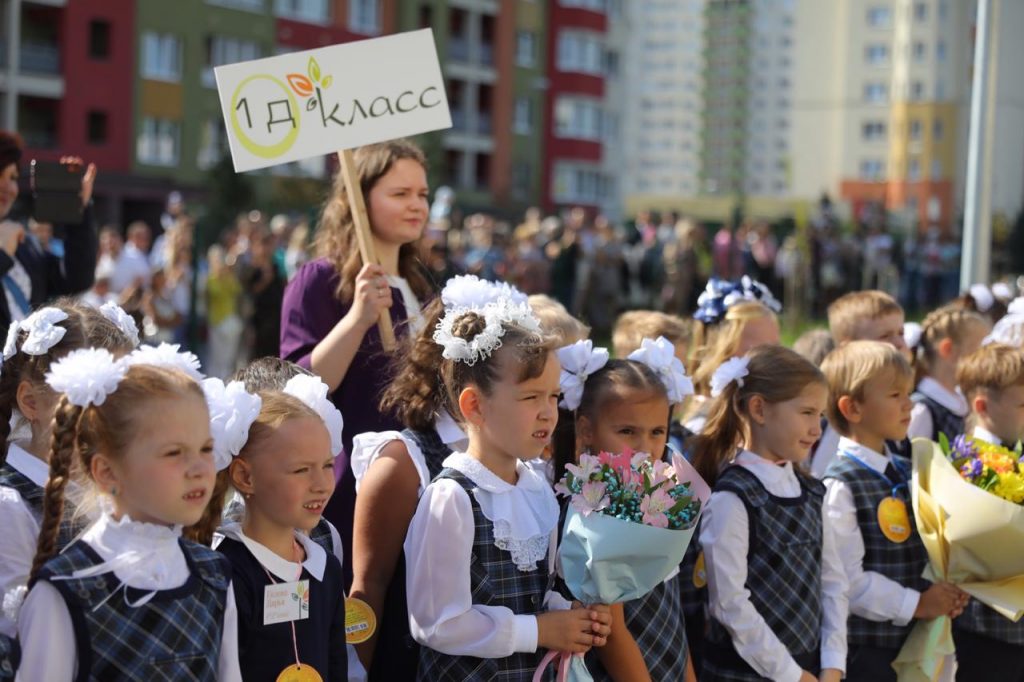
(70, 526)
(9, 655)
(656, 623)
(494, 581)
(321, 535)
(783, 572)
(903, 562)
(176, 636)
(434, 450)
(694, 600)
(983, 620)
(943, 420)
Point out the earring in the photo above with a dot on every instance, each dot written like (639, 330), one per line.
(247, 496)
(113, 492)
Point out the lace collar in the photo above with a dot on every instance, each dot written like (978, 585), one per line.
(287, 571)
(524, 514)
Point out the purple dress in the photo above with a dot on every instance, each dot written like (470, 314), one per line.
(309, 312)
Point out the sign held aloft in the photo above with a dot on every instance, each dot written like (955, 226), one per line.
(334, 99)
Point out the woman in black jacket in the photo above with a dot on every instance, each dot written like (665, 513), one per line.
(30, 275)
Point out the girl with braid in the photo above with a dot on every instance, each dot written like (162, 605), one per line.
(130, 599)
(27, 402)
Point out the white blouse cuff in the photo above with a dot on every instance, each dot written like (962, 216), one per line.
(524, 634)
(911, 598)
(833, 658)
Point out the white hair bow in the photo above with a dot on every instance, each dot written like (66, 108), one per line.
(167, 355)
(912, 334)
(86, 376)
(579, 361)
(313, 392)
(122, 320)
(43, 333)
(496, 315)
(472, 293)
(232, 412)
(983, 297)
(660, 355)
(733, 369)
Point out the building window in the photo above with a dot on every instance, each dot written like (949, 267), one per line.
(522, 121)
(579, 119)
(251, 5)
(159, 142)
(920, 11)
(521, 179)
(940, 51)
(161, 56)
(876, 55)
(526, 49)
(364, 16)
(917, 90)
(873, 130)
(914, 130)
(879, 17)
(310, 11)
(580, 183)
(211, 143)
(875, 93)
(938, 129)
(221, 50)
(99, 39)
(920, 51)
(872, 169)
(936, 169)
(594, 5)
(580, 52)
(96, 127)
(914, 169)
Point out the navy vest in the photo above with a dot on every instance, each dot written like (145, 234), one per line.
(943, 419)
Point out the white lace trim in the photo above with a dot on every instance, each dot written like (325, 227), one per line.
(524, 515)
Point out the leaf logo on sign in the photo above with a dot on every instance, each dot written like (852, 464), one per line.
(304, 86)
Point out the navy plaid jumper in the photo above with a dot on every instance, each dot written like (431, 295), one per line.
(70, 526)
(902, 562)
(783, 574)
(321, 535)
(985, 621)
(494, 581)
(656, 623)
(943, 419)
(694, 600)
(397, 653)
(175, 636)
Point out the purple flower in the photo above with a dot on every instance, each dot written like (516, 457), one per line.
(971, 469)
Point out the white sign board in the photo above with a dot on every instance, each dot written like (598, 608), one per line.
(317, 102)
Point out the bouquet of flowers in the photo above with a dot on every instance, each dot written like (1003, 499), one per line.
(990, 467)
(967, 504)
(629, 522)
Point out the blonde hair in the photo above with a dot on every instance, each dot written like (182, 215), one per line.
(636, 325)
(948, 322)
(109, 429)
(850, 367)
(556, 320)
(777, 374)
(847, 311)
(815, 345)
(994, 367)
(715, 344)
(336, 236)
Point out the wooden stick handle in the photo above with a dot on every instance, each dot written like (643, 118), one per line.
(363, 235)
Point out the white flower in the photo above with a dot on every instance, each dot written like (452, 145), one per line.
(472, 293)
(912, 334)
(123, 320)
(166, 355)
(43, 332)
(1016, 306)
(660, 355)
(733, 369)
(579, 361)
(11, 347)
(313, 392)
(232, 411)
(86, 376)
(983, 297)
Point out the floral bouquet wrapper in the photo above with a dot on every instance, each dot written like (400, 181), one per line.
(973, 537)
(605, 559)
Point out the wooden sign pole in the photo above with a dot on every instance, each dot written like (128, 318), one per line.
(361, 221)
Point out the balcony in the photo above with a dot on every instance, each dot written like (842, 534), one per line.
(39, 57)
(458, 49)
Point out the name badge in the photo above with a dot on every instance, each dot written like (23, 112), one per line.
(285, 602)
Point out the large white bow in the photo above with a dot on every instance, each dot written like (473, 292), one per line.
(579, 361)
(313, 392)
(232, 411)
(660, 355)
(167, 355)
(733, 369)
(86, 376)
(43, 333)
(123, 320)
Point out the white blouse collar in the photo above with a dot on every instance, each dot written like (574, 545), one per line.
(524, 514)
(449, 431)
(983, 434)
(287, 571)
(768, 471)
(875, 460)
(35, 469)
(952, 401)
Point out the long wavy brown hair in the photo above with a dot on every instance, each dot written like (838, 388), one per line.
(336, 236)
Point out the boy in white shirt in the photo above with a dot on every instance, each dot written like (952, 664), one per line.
(988, 645)
(868, 501)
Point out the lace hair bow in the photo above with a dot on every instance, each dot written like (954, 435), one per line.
(122, 320)
(496, 315)
(232, 412)
(313, 392)
(43, 333)
(579, 361)
(660, 355)
(733, 369)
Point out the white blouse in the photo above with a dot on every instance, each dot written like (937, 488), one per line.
(725, 538)
(19, 531)
(921, 423)
(438, 551)
(143, 556)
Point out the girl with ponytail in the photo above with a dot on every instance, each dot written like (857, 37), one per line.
(29, 404)
(776, 585)
(130, 599)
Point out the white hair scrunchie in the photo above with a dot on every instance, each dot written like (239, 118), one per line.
(166, 355)
(660, 355)
(232, 412)
(579, 361)
(43, 332)
(313, 392)
(733, 369)
(983, 297)
(496, 315)
(122, 320)
(86, 376)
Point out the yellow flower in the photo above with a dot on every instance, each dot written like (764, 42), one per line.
(1010, 487)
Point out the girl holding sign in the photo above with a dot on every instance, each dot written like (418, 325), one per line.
(331, 308)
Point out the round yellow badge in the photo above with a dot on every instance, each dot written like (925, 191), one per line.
(700, 574)
(893, 519)
(360, 621)
(299, 673)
